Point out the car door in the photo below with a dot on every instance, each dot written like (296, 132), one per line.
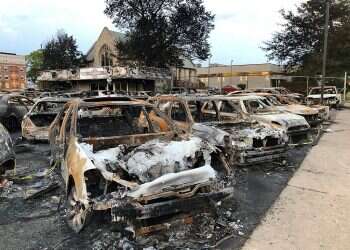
(57, 133)
(229, 111)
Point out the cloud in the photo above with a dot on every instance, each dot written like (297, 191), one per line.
(240, 25)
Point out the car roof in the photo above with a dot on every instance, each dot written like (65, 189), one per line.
(54, 99)
(105, 101)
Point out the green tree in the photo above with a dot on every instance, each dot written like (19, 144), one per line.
(299, 44)
(61, 52)
(34, 63)
(161, 33)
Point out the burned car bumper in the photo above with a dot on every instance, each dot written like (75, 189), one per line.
(133, 209)
(300, 137)
(263, 155)
(152, 215)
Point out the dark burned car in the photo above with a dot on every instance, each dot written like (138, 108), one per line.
(7, 154)
(243, 141)
(13, 107)
(127, 157)
(296, 127)
(36, 123)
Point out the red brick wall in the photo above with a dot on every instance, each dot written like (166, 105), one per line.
(12, 76)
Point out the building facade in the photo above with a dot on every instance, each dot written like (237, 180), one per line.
(12, 71)
(247, 76)
(103, 53)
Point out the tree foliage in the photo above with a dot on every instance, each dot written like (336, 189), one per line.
(61, 52)
(299, 45)
(161, 32)
(34, 62)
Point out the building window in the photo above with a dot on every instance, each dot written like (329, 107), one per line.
(106, 56)
(6, 77)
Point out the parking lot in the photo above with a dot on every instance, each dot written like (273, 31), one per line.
(36, 223)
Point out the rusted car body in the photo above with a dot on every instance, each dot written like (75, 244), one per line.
(296, 127)
(13, 107)
(310, 114)
(127, 157)
(243, 141)
(36, 123)
(7, 154)
(282, 93)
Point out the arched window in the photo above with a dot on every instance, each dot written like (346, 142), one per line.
(106, 56)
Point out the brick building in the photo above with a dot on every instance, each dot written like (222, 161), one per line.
(12, 71)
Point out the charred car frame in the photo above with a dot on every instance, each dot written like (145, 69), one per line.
(242, 140)
(127, 157)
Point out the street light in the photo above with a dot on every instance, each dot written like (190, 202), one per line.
(325, 45)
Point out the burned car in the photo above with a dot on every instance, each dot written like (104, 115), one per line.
(128, 158)
(310, 114)
(7, 154)
(243, 141)
(297, 128)
(331, 96)
(13, 107)
(36, 123)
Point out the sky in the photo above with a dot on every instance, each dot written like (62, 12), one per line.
(241, 26)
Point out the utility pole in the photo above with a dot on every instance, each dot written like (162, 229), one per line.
(209, 72)
(325, 45)
(307, 85)
(231, 73)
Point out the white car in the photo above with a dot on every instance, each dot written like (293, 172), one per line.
(330, 95)
(296, 126)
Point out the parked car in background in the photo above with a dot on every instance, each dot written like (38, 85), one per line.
(13, 107)
(282, 94)
(310, 114)
(296, 126)
(36, 123)
(7, 153)
(127, 157)
(242, 140)
(331, 96)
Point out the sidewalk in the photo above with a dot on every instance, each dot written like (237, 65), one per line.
(313, 211)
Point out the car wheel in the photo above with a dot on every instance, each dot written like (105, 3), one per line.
(77, 214)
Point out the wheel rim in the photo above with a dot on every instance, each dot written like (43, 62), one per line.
(76, 212)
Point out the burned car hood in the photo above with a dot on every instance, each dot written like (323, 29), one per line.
(286, 120)
(209, 132)
(152, 159)
(298, 109)
(243, 133)
(6, 147)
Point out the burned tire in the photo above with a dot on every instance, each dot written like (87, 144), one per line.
(77, 215)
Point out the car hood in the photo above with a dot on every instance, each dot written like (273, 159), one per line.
(209, 133)
(286, 120)
(152, 159)
(298, 109)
